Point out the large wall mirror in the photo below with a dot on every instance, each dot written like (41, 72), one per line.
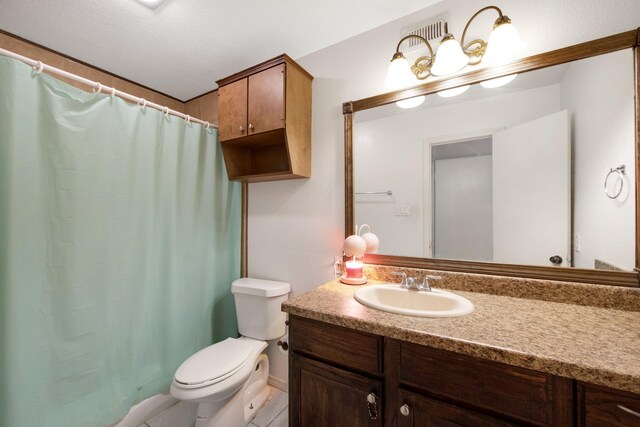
(535, 178)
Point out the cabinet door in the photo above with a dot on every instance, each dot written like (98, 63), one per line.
(232, 110)
(421, 411)
(266, 100)
(599, 406)
(321, 396)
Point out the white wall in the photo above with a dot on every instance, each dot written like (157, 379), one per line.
(605, 134)
(398, 142)
(296, 227)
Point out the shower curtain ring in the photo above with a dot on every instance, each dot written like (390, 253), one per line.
(188, 118)
(165, 110)
(98, 87)
(207, 125)
(142, 103)
(113, 92)
(38, 67)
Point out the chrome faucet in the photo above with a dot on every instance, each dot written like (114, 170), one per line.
(414, 283)
(425, 285)
(404, 284)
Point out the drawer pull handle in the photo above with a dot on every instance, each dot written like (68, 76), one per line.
(372, 405)
(404, 410)
(629, 411)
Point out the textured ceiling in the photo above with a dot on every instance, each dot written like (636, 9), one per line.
(182, 47)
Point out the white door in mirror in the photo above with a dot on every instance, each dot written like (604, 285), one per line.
(532, 173)
(394, 299)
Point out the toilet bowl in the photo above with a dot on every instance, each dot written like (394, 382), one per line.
(228, 380)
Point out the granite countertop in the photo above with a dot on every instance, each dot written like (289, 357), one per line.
(591, 344)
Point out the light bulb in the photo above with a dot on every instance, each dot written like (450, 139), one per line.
(453, 92)
(354, 246)
(503, 45)
(152, 4)
(497, 82)
(399, 74)
(411, 102)
(449, 58)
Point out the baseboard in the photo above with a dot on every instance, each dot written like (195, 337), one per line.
(278, 383)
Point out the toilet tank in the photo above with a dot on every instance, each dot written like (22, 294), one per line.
(258, 307)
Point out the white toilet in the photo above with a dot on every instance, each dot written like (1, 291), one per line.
(228, 380)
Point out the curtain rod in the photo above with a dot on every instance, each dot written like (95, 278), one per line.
(39, 67)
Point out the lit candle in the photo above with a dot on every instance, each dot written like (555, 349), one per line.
(354, 269)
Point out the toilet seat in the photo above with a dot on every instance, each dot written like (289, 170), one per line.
(224, 388)
(214, 364)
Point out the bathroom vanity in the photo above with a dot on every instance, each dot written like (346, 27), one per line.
(514, 361)
(553, 339)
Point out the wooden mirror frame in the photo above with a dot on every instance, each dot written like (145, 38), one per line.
(629, 39)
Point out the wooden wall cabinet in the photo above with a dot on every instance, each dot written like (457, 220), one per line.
(333, 370)
(265, 122)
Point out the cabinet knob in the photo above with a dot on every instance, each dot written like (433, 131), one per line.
(556, 260)
(372, 405)
(251, 127)
(241, 129)
(404, 410)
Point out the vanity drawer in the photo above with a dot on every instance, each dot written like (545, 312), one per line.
(336, 345)
(602, 406)
(509, 391)
(424, 412)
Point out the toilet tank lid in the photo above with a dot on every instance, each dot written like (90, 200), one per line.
(260, 287)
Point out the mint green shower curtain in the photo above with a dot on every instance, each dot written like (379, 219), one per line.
(119, 239)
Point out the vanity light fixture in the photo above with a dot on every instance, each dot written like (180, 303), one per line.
(450, 57)
(497, 82)
(152, 4)
(449, 93)
(502, 46)
(411, 102)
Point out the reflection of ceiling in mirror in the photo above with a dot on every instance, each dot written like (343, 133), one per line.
(455, 150)
(530, 80)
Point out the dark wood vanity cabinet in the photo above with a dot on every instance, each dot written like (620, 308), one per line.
(329, 396)
(335, 376)
(502, 391)
(334, 371)
(422, 411)
(600, 406)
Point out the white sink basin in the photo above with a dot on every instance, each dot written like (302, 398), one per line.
(394, 299)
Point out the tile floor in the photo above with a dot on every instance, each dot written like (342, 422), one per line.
(275, 413)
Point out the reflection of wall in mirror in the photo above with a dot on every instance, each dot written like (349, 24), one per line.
(388, 153)
(599, 93)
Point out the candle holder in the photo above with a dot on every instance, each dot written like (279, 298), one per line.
(353, 275)
(356, 246)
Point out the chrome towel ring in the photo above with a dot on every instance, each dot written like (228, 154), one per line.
(620, 171)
